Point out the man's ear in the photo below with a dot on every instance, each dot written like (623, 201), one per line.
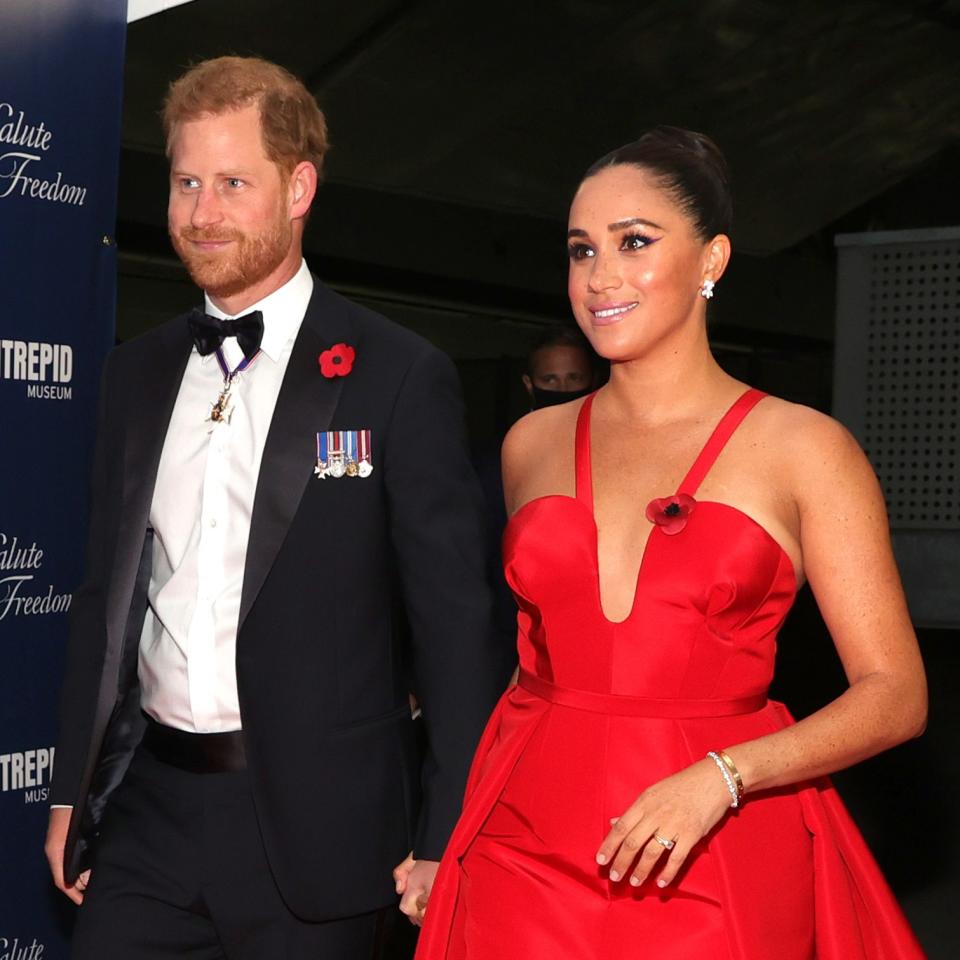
(528, 383)
(302, 188)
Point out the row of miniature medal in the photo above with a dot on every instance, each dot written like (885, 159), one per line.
(344, 453)
(340, 453)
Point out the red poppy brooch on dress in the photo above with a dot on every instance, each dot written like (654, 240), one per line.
(670, 513)
(337, 361)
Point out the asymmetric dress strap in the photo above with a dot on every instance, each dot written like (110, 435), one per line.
(718, 440)
(701, 466)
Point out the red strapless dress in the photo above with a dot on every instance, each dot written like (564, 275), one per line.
(605, 709)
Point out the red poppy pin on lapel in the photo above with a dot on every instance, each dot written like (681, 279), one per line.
(337, 361)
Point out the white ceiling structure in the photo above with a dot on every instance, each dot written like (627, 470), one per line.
(139, 9)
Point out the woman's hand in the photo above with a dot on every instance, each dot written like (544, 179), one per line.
(682, 808)
(414, 881)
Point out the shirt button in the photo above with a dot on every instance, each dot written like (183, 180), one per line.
(213, 522)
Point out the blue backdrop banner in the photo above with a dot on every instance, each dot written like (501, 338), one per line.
(61, 72)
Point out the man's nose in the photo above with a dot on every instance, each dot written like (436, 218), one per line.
(206, 208)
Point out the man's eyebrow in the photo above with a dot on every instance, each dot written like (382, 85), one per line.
(181, 172)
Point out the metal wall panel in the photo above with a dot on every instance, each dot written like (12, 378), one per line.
(897, 388)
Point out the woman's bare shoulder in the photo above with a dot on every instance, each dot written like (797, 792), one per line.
(534, 448)
(539, 431)
(807, 441)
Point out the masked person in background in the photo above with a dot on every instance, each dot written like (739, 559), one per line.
(561, 367)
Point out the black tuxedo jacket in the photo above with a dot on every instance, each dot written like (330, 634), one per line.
(355, 591)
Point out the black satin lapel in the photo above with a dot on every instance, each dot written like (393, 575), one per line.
(305, 406)
(150, 411)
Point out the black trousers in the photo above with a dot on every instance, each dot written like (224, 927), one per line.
(180, 871)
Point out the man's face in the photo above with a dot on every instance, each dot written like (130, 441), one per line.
(229, 210)
(559, 368)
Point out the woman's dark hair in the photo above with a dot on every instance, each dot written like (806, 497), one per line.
(689, 166)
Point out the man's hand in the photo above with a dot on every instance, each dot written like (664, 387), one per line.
(56, 841)
(414, 880)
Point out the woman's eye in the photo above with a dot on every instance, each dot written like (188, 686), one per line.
(635, 241)
(234, 182)
(579, 251)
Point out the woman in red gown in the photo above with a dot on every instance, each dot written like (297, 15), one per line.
(635, 793)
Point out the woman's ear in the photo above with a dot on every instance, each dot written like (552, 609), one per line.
(717, 256)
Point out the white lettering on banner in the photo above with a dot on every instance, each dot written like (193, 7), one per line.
(29, 771)
(14, 950)
(38, 363)
(14, 179)
(54, 190)
(15, 598)
(35, 392)
(16, 557)
(19, 134)
(28, 606)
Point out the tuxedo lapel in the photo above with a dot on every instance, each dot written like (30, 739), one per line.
(158, 382)
(305, 406)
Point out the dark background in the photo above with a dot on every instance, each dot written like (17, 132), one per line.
(459, 133)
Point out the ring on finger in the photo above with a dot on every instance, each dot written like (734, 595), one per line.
(664, 842)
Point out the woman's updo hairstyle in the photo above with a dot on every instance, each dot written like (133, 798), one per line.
(687, 165)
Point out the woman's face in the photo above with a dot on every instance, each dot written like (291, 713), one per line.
(636, 263)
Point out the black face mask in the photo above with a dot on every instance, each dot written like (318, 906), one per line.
(550, 398)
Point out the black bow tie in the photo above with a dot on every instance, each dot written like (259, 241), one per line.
(209, 332)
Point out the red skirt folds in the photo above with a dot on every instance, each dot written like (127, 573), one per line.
(786, 877)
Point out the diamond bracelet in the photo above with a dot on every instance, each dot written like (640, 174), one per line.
(727, 779)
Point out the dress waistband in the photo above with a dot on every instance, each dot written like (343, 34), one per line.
(621, 706)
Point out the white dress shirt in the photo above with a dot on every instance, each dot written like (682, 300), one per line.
(200, 516)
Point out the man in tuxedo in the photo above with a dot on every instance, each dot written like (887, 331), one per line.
(285, 541)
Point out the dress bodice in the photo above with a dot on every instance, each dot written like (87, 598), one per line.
(712, 590)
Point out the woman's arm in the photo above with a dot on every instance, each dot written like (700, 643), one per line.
(848, 561)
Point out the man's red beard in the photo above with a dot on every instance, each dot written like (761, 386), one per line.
(249, 259)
